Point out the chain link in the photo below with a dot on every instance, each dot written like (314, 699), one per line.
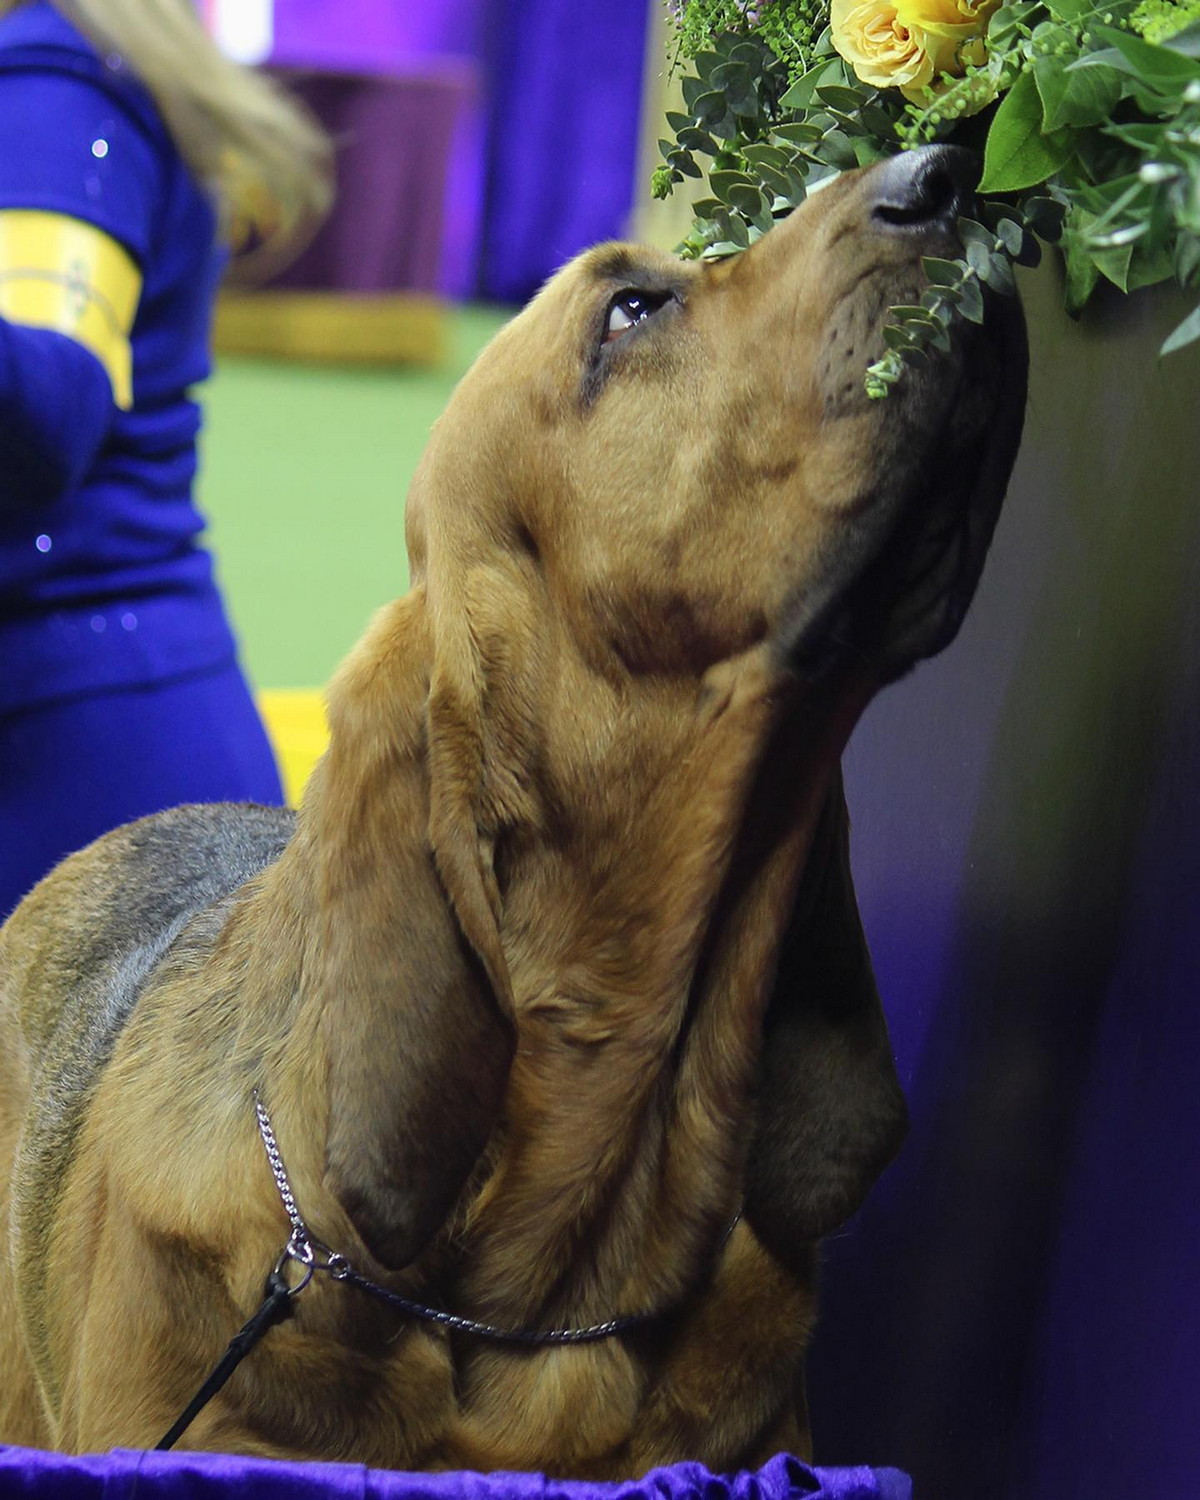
(300, 1233)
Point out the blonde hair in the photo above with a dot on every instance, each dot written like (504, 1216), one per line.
(268, 162)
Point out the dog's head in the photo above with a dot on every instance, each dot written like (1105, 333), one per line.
(708, 470)
(659, 505)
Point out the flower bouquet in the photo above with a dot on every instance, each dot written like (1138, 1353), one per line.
(1087, 118)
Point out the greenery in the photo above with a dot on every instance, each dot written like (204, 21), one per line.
(1087, 117)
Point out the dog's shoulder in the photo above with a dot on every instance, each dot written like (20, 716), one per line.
(75, 953)
(75, 956)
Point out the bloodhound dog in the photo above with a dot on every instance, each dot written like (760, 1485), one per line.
(554, 993)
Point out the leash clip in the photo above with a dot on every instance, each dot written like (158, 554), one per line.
(299, 1248)
(312, 1255)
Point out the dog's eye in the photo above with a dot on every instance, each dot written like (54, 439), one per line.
(630, 309)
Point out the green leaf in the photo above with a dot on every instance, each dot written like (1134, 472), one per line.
(1017, 155)
(839, 98)
(970, 303)
(710, 108)
(943, 272)
(1141, 137)
(736, 83)
(978, 257)
(775, 181)
(775, 157)
(898, 338)
(1187, 259)
(1149, 60)
(704, 63)
(1067, 10)
(867, 151)
(940, 337)
(837, 150)
(798, 133)
(1082, 272)
(692, 88)
(1187, 333)
(1044, 217)
(1078, 97)
(849, 125)
(800, 95)
(972, 233)
(1114, 264)
(748, 200)
(998, 273)
(682, 162)
(693, 139)
(1159, 75)
(1011, 236)
(1048, 37)
(750, 54)
(1152, 263)
(733, 229)
(878, 122)
(723, 184)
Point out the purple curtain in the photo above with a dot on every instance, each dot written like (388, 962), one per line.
(402, 89)
(123, 1475)
(566, 82)
(541, 102)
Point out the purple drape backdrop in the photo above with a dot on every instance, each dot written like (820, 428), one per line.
(543, 97)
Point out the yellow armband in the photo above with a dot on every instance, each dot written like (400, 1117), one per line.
(60, 273)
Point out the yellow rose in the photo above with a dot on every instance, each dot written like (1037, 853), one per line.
(910, 44)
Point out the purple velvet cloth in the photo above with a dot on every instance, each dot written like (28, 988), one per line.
(34, 1475)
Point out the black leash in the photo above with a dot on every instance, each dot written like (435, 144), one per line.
(276, 1306)
(313, 1256)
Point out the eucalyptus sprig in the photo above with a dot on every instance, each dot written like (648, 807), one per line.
(956, 287)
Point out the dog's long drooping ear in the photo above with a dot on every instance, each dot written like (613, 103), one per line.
(418, 1040)
(831, 1114)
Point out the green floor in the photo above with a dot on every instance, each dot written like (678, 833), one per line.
(304, 471)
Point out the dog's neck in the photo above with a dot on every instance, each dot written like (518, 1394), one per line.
(640, 929)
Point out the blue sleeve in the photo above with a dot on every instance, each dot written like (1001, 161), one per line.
(84, 151)
(56, 407)
(86, 154)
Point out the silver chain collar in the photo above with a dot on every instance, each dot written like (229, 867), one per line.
(313, 1255)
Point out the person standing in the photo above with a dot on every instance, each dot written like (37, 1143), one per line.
(132, 155)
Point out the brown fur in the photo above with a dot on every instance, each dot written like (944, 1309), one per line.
(561, 969)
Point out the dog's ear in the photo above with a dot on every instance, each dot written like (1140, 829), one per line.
(417, 1031)
(831, 1114)
(481, 744)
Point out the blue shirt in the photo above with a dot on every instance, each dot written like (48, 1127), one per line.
(102, 583)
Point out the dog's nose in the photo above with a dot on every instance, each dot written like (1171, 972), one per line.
(928, 187)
